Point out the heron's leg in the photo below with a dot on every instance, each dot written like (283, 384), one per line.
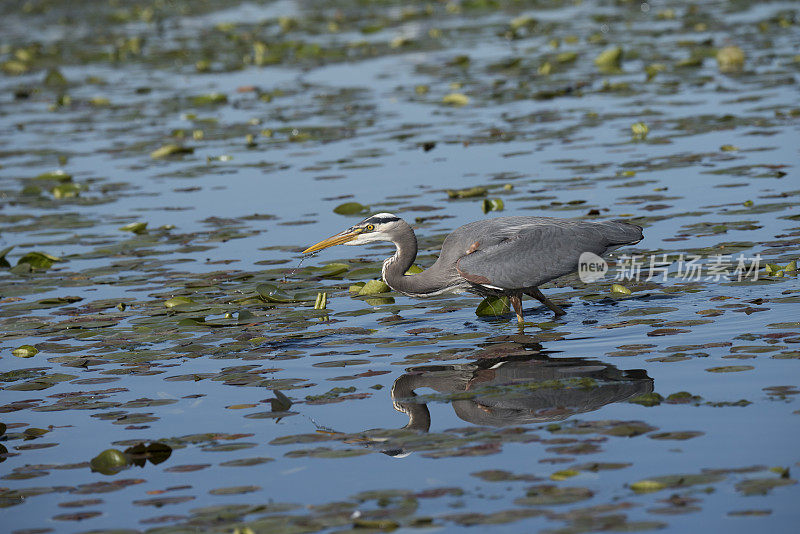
(538, 295)
(516, 301)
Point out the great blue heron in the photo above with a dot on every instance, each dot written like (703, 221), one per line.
(505, 256)
(517, 390)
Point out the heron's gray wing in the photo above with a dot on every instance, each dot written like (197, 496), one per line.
(542, 251)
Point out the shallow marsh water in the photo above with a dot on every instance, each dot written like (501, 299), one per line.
(673, 408)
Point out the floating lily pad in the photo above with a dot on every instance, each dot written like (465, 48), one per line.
(177, 301)
(374, 287)
(470, 192)
(564, 474)
(680, 435)
(209, 99)
(730, 368)
(455, 99)
(550, 495)
(620, 289)
(38, 260)
(730, 58)
(110, 462)
(55, 176)
(493, 204)
(493, 306)
(67, 190)
(171, 150)
(639, 130)
(234, 490)
(762, 486)
(271, 293)
(351, 208)
(647, 486)
(335, 269)
(647, 399)
(135, 227)
(3, 262)
(25, 351)
(675, 481)
(609, 59)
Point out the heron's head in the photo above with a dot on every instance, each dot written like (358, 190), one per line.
(379, 227)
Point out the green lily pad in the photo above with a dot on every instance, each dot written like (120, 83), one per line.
(3, 261)
(192, 321)
(470, 192)
(245, 316)
(639, 130)
(110, 462)
(177, 301)
(25, 351)
(247, 462)
(38, 260)
(171, 149)
(674, 481)
(620, 289)
(58, 301)
(609, 59)
(355, 288)
(492, 306)
(209, 99)
(351, 208)
(334, 269)
(730, 58)
(57, 175)
(271, 293)
(762, 486)
(493, 204)
(680, 435)
(566, 57)
(647, 486)
(730, 368)
(374, 287)
(550, 495)
(379, 301)
(234, 490)
(54, 78)
(455, 99)
(647, 399)
(68, 190)
(564, 474)
(135, 227)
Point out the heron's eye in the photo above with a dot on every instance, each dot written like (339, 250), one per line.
(369, 227)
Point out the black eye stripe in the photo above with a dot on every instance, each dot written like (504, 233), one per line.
(382, 220)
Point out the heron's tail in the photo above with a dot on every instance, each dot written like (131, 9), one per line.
(619, 233)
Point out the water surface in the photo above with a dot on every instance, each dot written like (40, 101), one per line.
(670, 408)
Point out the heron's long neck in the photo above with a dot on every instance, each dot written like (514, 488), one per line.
(419, 418)
(395, 267)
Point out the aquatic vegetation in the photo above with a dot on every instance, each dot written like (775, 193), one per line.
(169, 363)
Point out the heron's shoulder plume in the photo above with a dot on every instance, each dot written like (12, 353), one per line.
(382, 218)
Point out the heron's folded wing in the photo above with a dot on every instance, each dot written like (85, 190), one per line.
(542, 252)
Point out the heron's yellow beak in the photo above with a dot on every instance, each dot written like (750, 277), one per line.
(338, 239)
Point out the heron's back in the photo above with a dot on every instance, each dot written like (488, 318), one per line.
(521, 252)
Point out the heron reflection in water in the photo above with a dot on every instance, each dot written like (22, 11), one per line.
(505, 256)
(523, 388)
(516, 391)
